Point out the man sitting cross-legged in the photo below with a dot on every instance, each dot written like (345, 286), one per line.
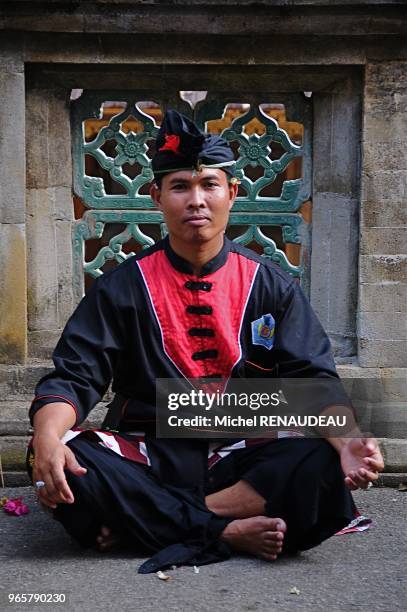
(186, 308)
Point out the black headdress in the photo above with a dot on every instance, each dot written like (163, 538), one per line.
(181, 145)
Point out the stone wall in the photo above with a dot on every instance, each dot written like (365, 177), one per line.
(13, 283)
(352, 54)
(382, 316)
(335, 212)
(49, 212)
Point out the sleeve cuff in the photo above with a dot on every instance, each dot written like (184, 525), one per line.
(42, 400)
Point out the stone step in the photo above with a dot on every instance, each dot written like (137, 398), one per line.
(17, 382)
(19, 478)
(15, 479)
(14, 418)
(387, 479)
(376, 384)
(13, 451)
(16, 433)
(382, 421)
(394, 453)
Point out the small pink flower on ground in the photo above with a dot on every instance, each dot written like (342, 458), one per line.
(16, 507)
(23, 509)
(10, 506)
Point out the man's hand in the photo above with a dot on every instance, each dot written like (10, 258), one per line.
(51, 458)
(361, 461)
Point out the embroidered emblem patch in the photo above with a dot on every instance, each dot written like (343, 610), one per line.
(263, 331)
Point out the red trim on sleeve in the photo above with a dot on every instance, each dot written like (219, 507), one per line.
(256, 365)
(61, 397)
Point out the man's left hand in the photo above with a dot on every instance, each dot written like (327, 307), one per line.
(361, 461)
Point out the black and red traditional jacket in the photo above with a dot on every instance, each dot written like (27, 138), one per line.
(152, 318)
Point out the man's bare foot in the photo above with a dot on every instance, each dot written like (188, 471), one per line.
(259, 535)
(106, 539)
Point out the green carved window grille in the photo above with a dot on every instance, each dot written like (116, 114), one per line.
(112, 145)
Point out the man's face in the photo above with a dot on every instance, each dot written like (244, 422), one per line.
(195, 206)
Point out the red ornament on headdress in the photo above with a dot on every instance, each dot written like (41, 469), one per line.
(171, 143)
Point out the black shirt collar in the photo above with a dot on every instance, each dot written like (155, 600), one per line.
(182, 265)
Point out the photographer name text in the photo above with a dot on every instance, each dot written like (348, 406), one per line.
(255, 420)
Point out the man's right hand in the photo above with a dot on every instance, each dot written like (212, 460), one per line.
(51, 458)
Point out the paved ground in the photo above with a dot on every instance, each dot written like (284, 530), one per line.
(363, 571)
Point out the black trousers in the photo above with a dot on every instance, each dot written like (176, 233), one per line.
(302, 482)
(300, 479)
